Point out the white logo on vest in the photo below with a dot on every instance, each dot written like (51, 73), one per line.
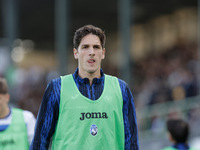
(93, 129)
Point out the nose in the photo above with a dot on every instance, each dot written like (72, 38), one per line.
(91, 52)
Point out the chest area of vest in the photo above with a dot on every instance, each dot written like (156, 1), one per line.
(93, 115)
(76, 106)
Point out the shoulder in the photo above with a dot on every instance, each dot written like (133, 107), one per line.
(28, 116)
(51, 95)
(53, 86)
(123, 85)
(55, 82)
(121, 82)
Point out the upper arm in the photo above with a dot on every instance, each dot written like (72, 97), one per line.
(48, 115)
(129, 115)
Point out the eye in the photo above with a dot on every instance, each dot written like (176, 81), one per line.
(97, 46)
(84, 46)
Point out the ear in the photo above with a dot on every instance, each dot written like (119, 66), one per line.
(75, 53)
(171, 139)
(7, 96)
(103, 53)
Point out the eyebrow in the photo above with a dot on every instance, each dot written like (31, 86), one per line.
(92, 45)
(96, 45)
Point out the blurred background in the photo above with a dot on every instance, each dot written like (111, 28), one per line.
(152, 45)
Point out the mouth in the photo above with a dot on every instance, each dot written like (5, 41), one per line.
(90, 61)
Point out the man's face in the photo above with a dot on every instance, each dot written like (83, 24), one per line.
(89, 55)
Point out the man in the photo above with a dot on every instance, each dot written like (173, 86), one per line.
(178, 134)
(16, 125)
(88, 110)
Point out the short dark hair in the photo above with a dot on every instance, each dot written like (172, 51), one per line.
(3, 86)
(179, 130)
(89, 29)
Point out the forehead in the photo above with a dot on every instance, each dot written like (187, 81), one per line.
(90, 39)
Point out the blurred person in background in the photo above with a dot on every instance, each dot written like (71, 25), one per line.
(178, 132)
(16, 125)
(89, 109)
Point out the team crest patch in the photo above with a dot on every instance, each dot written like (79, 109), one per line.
(93, 129)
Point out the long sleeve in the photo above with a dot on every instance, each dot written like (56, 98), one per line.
(130, 121)
(49, 111)
(47, 116)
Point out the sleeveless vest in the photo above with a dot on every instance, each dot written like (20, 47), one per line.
(89, 125)
(15, 136)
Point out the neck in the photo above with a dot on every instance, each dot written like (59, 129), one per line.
(90, 76)
(4, 112)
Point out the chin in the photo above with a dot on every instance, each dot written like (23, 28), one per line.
(91, 71)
